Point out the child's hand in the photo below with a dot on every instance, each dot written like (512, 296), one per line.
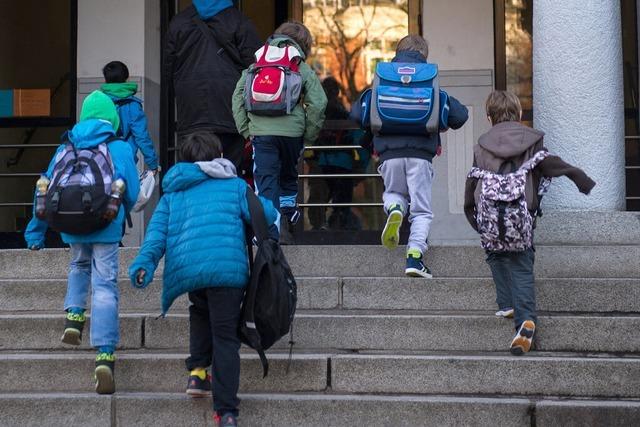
(138, 280)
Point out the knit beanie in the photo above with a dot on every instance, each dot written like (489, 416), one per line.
(99, 106)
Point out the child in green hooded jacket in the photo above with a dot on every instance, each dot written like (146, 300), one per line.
(133, 122)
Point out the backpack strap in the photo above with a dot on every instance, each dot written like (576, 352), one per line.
(212, 35)
(258, 219)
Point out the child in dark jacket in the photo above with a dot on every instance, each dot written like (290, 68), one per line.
(408, 173)
(199, 226)
(133, 122)
(511, 143)
(94, 256)
(278, 141)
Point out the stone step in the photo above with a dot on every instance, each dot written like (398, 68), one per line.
(48, 295)
(371, 261)
(345, 330)
(153, 372)
(311, 410)
(536, 374)
(377, 293)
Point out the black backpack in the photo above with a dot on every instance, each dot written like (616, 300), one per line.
(269, 303)
(80, 189)
(120, 133)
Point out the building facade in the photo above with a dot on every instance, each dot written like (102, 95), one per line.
(574, 65)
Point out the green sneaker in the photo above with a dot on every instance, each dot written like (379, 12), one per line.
(391, 233)
(105, 366)
(73, 326)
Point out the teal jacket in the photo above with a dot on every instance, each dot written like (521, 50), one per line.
(199, 226)
(306, 119)
(87, 134)
(133, 121)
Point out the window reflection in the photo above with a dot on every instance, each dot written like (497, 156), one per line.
(351, 37)
(519, 45)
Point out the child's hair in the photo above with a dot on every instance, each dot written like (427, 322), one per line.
(414, 42)
(115, 72)
(200, 147)
(503, 106)
(298, 33)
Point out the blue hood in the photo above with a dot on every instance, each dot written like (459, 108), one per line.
(409, 56)
(91, 133)
(209, 8)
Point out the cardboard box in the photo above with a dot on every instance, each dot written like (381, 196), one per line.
(6, 103)
(31, 102)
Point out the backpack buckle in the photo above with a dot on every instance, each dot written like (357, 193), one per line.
(86, 201)
(55, 199)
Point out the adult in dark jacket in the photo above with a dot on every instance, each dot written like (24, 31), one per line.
(204, 68)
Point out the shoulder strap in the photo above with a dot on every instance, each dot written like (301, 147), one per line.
(258, 219)
(213, 36)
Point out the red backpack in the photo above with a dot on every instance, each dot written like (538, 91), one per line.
(273, 83)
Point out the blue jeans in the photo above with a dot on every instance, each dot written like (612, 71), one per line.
(276, 173)
(515, 284)
(96, 264)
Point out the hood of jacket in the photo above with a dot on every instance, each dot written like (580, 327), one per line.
(120, 90)
(207, 9)
(279, 40)
(509, 139)
(91, 133)
(409, 56)
(186, 175)
(99, 106)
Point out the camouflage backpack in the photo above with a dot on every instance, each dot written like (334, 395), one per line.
(503, 217)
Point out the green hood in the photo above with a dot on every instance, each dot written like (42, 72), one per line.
(99, 106)
(120, 90)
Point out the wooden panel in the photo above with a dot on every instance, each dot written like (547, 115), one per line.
(459, 144)
(415, 16)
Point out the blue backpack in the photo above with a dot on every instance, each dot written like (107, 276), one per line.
(406, 99)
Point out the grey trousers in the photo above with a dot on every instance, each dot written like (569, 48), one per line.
(408, 180)
(515, 284)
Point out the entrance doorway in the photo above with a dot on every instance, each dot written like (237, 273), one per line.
(340, 191)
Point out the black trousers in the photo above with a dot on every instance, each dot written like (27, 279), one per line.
(214, 314)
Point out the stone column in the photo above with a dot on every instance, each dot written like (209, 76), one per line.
(578, 97)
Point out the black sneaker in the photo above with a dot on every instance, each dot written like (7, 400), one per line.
(73, 326)
(227, 420)
(104, 373)
(197, 387)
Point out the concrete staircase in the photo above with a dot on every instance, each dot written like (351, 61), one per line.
(373, 348)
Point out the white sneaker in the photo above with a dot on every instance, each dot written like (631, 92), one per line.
(505, 313)
(521, 343)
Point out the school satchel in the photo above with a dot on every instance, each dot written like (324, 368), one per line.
(80, 189)
(270, 299)
(405, 99)
(503, 217)
(274, 83)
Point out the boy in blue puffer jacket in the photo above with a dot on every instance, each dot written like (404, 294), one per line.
(133, 122)
(94, 256)
(199, 225)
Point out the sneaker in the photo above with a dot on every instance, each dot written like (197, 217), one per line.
(286, 232)
(521, 343)
(105, 365)
(197, 387)
(227, 420)
(73, 325)
(391, 233)
(415, 266)
(505, 313)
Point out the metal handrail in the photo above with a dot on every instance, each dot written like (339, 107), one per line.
(340, 205)
(340, 175)
(20, 146)
(19, 175)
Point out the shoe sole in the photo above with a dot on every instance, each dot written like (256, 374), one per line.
(505, 315)
(198, 394)
(391, 234)
(72, 336)
(104, 380)
(522, 343)
(414, 272)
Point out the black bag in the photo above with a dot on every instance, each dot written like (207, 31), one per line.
(269, 303)
(120, 133)
(80, 189)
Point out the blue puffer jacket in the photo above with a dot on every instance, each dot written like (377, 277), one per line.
(199, 225)
(86, 134)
